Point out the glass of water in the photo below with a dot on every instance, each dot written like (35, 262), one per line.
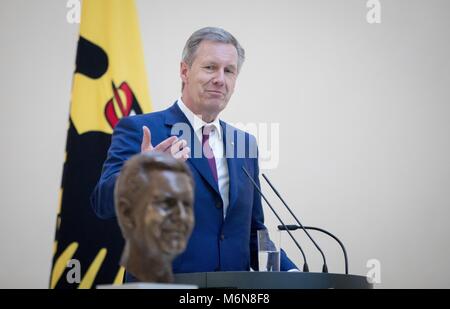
(268, 251)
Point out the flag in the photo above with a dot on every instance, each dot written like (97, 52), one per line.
(109, 83)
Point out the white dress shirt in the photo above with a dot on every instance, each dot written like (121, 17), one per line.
(216, 143)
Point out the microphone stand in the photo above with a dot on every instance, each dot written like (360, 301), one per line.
(295, 227)
(325, 267)
(305, 266)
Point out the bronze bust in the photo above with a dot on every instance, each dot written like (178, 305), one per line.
(154, 198)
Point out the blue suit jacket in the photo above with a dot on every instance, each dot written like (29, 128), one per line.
(216, 244)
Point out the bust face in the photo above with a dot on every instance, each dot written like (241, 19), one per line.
(165, 219)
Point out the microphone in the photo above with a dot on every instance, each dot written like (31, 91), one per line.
(305, 266)
(295, 227)
(325, 267)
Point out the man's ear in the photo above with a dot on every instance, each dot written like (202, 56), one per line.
(184, 69)
(125, 214)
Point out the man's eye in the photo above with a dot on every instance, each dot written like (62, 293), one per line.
(209, 67)
(165, 203)
(170, 203)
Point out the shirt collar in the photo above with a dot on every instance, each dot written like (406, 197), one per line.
(196, 122)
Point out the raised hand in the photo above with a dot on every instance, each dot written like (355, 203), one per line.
(172, 145)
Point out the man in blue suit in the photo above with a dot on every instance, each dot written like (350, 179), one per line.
(227, 208)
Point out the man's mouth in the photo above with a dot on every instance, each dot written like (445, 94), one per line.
(215, 92)
(175, 232)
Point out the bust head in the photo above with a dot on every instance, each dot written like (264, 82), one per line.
(154, 205)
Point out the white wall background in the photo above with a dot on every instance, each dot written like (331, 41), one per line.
(363, 112)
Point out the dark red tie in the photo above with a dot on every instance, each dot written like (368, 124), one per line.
(207, 150)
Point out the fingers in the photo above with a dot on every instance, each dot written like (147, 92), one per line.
(146, 144)
(177, 146)
(178, 150)
(167, 143)
(172, 146)
(183, 154)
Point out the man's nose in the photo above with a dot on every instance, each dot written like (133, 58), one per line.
(181, 210)
(219, 78)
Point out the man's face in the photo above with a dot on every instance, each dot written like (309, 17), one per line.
(209, 82)
(167, 213)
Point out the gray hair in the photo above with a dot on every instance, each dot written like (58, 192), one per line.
(215, 35)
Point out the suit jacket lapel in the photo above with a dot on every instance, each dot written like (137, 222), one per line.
(175, 116)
